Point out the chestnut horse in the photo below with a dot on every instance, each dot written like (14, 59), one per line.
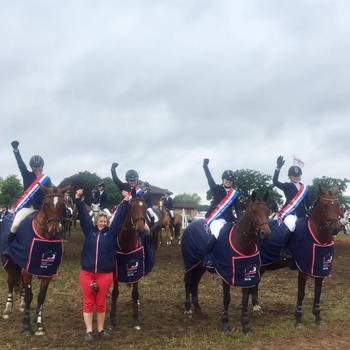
(36, 250)
(312, 248)
(135, 256)
(171, 226)
(235, 258)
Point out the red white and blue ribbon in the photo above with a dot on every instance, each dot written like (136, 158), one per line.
(30, 191)
(139, 191)
(222, 206)
(293, 204)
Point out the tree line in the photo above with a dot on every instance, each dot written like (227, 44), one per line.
(245, 181)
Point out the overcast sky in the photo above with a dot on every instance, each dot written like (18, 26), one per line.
(159, 85)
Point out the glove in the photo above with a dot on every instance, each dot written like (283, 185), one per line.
(114, 165)
(205, 162)
(280, 162)
(15, 145)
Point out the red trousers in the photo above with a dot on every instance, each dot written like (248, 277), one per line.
(92, 298)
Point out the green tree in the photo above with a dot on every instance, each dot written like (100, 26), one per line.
(10, 190)
(114, 195)
(188, 198)
(327, 183)
(246, 181)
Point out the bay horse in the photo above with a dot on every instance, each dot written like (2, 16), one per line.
(171, 226)
(312, 249)
(235, 258)
(135, 256)
(36, 250)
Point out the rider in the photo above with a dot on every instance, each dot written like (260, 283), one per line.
(297, 195)
(168, 204)
(224, 199)
(141, 189)
(102, 195)
(97, 261)
(32, 197)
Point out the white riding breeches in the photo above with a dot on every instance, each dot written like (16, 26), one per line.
(216, 226)
(152, 214)
(20, 215)
(290, 222)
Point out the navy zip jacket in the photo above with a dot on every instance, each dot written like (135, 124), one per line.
(102, 199)
(290, 190)
(28, 178)
(125, 186)
(219, 192)
(99, 252)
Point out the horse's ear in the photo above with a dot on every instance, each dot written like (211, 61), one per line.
(253, 196)
(45, 189)
(65, 189)
(266, 196)
(335, 190)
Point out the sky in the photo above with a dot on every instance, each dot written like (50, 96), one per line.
(159, 85)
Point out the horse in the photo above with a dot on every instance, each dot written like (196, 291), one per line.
(171, 226)
(36, 250)
(135, 256)
(235, 258)
(67, 222)
(312, 251)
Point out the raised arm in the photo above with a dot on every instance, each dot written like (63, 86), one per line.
(116, 179)
(278, 184)
(21, 165)
(210, 179)
(84, 217)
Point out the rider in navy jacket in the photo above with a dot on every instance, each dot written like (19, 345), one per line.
(132, 178)
(290, 189)
(102, 195)
(29, 176)
(218, 193)
(99, 250)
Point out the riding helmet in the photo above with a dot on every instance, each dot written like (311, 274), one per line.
(294, 171)
(101, 184)
(131, 175)
(36, 161)
(227, 175)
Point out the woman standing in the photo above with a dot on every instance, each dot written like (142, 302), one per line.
(98, 259)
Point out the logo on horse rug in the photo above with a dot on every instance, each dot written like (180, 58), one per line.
(134, 265)
(310, 255)
(235, 268)
(37, 255)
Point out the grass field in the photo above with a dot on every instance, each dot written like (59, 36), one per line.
(164, 326)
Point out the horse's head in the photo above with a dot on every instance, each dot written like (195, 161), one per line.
(258, 215)
(52, 211)
(137, 213)
(327, 211)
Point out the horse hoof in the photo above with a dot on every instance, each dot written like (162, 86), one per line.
(137, 328)
(40, 332)
(26, 333)
(188, 312)
(226, 327)
(257, 309)
(299, 325)
(5, 316)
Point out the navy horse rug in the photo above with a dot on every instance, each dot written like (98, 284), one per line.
(34, 253)
(235, 268)
(133, 266)
(309, 254)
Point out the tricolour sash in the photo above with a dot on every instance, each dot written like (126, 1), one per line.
(224, 204)
(30, 191)
(139, 191)
(293, 204)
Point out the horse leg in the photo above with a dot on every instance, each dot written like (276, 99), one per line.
(114, 297)
(135, 305)
(226, 301)
(26, 327)
(302, 277)
(22, 298)
(187, 280)
(246, 326)
(316, 309)
(196, 277)
(39, 327)
(11, 281)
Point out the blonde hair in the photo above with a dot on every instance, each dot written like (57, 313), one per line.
(101, 213)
